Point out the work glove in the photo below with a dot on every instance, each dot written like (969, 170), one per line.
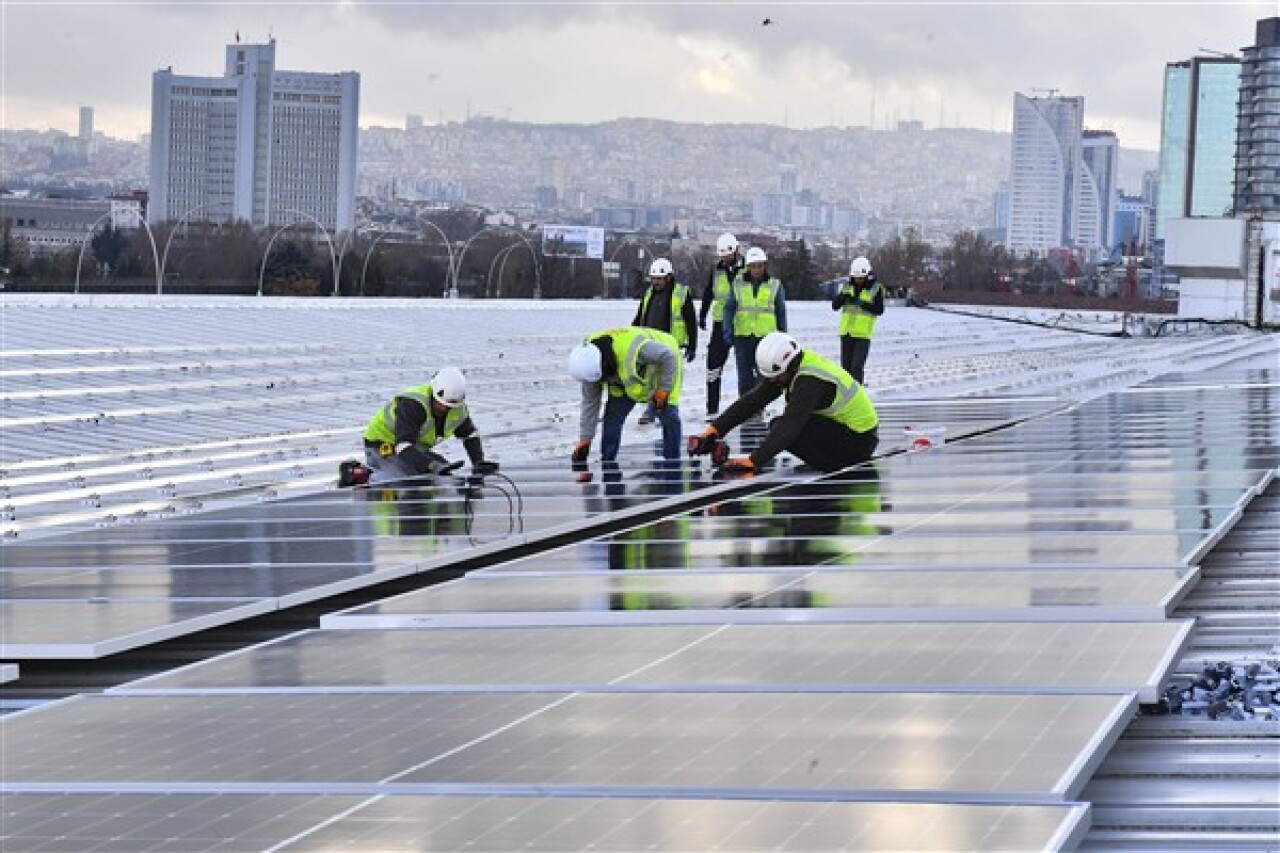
(740, 465)
(485, 466)
(420, 461)
(660, 398)
(871, 280)
(839, 301)
(690, 354)
(701, 445)
(580, 450)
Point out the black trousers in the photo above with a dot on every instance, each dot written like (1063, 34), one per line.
(853, 355)
(717, 356)
(829, 445)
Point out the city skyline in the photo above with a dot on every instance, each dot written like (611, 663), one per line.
(829, 64)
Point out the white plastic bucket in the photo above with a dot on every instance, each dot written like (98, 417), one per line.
(924, 438)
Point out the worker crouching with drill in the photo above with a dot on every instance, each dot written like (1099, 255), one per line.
(399, 439)
(829, 421)
(629, 365)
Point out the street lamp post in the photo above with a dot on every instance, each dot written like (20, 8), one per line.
(84, 244)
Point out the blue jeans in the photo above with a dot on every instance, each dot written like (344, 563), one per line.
(744, 352)
(615, 415)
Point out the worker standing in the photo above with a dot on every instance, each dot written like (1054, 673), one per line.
(399, 440)
(666, 306)
(629, 365)
(860, 301)
(756, 306)
(829, 421)
(714, 297)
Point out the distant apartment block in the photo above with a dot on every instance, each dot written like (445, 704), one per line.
(86, 124)
(258, 144)
(1257, 149)
(1044, 185)
(1197, 139)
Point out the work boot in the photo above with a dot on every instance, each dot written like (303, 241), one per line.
(352, 473)
(645, 419)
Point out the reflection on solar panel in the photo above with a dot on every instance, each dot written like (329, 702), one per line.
(986, 615)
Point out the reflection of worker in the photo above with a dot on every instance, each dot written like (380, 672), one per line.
(727, 267)
(829, 421)
(666, 306)
(635, 365)
(860, 302)
(399, 439)
(756, 306)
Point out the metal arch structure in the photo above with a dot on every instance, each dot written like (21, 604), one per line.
(537, 268)
(180, 222)
(333, 257)
(500, 261)
(155, 254)
(626, 241)
(450, 274)
(364, 266)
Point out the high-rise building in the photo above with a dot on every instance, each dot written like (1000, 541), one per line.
(86, 124)
(1099, 153)
(261, 145)
(1197, 139)
(1044, 184)
(1257, 151)
(413, 122)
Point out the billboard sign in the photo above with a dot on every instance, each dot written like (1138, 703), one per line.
(573, 241)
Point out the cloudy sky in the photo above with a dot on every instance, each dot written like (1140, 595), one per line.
(817, 64)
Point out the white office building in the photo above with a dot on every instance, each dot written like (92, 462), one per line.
(1044, 185)
(264, 146)
(1100, 155)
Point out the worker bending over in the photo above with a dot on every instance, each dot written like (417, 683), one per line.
(829, 421)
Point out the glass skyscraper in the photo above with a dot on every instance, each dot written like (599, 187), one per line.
(1197, 139)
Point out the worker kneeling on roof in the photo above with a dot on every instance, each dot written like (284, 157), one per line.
(399, 439)
(829, 421)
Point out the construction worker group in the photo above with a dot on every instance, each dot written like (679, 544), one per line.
(828, 422)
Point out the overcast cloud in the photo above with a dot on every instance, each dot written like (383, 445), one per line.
(816, 64)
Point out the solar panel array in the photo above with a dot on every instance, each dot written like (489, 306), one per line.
(933, 655)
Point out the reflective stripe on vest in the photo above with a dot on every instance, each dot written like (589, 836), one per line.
(852, 405)
(855, 320)
(721, 286)
(633, 382)
(755, 317)
(382, 428)
(679, 295)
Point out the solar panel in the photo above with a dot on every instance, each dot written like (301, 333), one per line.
(1013, 656)
(175, 823)
(1012, 748)
(800, 594)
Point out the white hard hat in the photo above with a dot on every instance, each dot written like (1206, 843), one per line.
(775, 351)
(449, 388)
(756, 255)
(661, 267)
(860, 268)
(585, 363)
(726, 245)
